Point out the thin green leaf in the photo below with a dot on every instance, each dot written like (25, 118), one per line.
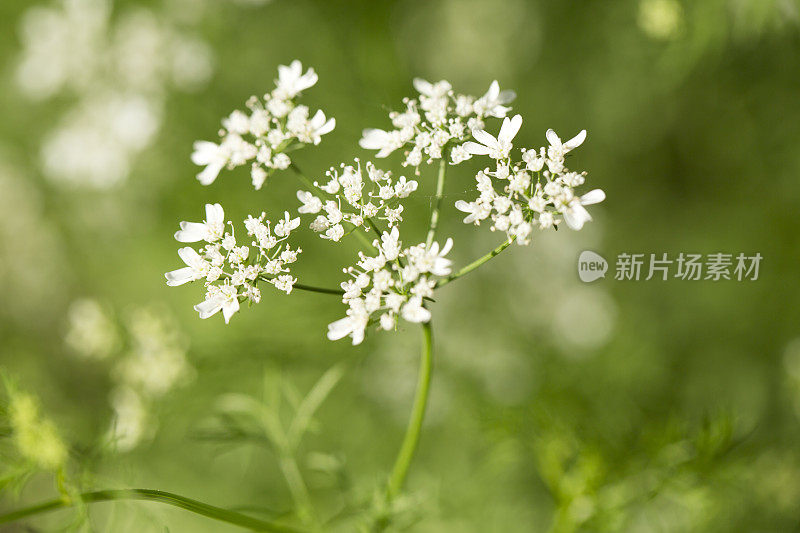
(321, 389)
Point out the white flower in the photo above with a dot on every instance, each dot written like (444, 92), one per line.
(439, 264)
(413, 311)
(291, 79)
(393, 216)
(259, 122)
(211, 230)
(311, 204)
(334, 213)
(403, 187)
(356, 199)
(281, 161)
(476, 211)
(496, 148)
(229, 242)
(432, 90)
(319, 224)
(390, 244)
(225, 298)
(237, 122)
(546, 220)
(491, 103)
(212, 156)
(533, 160)
(459, 154)
(265, 137)
(334, 233)
(524, 202)
(353, 325)
(387, 321)
(284, 283)
(284, 227)
(230, 269)
(385, 142)
(319, 126)
(258, 176)
(575, 215)
(196, 268)
(558, 149)
(393, 282)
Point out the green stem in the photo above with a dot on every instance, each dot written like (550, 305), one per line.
(168, 498)
(298, 489)
(309, 288)
(310, 184)
(475, 264)
(438, 200)
(323, 290)
(307, 181)
(411, 439)
(374, 227)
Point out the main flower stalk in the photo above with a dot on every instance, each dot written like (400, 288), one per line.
(411, 439)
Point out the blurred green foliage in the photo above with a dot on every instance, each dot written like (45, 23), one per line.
(670, 406)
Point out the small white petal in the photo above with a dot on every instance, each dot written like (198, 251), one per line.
(215, 214)
(423, 86)
(552, 138)
(509, 128)
(493, 92)
(593, 197)
(373, 139)
(210, 173)
(484, 137)
(191, 232)
(340, 329)
(204, 152)
(576, 216)
(448, 245)
(180, 276)
(208, 308)
(506, 97)
(575, 141)
(189, 256)
(229, 308)
(475, 148)
(464, 206)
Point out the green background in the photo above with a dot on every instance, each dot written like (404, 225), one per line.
(556, 405)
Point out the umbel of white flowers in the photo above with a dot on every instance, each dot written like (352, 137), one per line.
(275, 125)
(230, 271)
(389, 280)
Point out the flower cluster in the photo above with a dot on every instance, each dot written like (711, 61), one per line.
(389, 281)
(393, 283)
(347, 201)
(275, 125)
(533, 192)
(436, 118)
(231, 272)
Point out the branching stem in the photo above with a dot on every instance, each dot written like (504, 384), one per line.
(475, 264)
